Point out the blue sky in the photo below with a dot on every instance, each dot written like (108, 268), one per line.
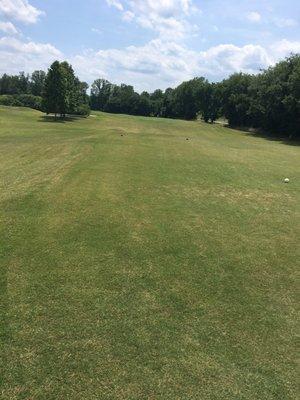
(148, 43)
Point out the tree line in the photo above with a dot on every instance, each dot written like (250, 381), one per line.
(268, 101)
(57, 92)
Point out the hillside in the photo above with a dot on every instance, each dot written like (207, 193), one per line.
(137, 264)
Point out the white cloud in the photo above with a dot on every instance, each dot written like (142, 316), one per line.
(20, 10)
(160, 64)
(285, 22)
(162, 8)
(169, 18)
(30, 48)
(226, 59)
(150, 66)
(115, 3)
(284, 48)
(128, 16)
(16, 55)
(254, 16)
(8, 28)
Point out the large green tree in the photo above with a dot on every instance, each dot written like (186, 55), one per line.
(63, 91)
(188, 98)
(236, 99)
(55, 96)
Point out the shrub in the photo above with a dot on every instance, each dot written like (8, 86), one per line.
(31, 101)
(21, 100)
(9, 100)
(83, 110)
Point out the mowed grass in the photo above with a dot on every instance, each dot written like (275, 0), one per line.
(146, 266)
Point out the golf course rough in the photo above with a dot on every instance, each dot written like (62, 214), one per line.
(136, 264)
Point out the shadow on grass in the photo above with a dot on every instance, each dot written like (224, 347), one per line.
(265, 135)
(59, 120)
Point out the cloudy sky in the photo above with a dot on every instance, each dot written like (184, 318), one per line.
(148, 43)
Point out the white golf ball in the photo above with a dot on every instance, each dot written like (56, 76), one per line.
(286, 180)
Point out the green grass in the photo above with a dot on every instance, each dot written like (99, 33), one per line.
(146, 266)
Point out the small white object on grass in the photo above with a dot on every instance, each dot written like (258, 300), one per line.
(286, 180)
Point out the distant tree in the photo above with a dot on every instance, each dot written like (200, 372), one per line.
(23, 83)
(156, 99)
(291, 99)
(122, 99)
(55, 96)
(100, 92)
(14, 84)
(63, 92)
(269, 101)
(37, 82)
(5, 84)
(81, 99)
(275, 98)
(168, 109)
(208, 100)
(188, 98)
(236, 99)
(113, 103)
(128, 99)
(144, 104)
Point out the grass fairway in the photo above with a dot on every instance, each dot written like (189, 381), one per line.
(146, 266)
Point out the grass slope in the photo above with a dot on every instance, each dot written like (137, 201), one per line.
(146, 266)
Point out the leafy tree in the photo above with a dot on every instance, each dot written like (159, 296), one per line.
(81, 99)
(275, 95)
(23, 83)
(156, 99)
(236, 99)
(100, 92)
(113, 104)
(168, 105)
(37, 82)
(63, 92)
(14, 84)
(143, 104)
(122, 99)
(55, 97)
(71, 87)
(193, 97)
(209, 101)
